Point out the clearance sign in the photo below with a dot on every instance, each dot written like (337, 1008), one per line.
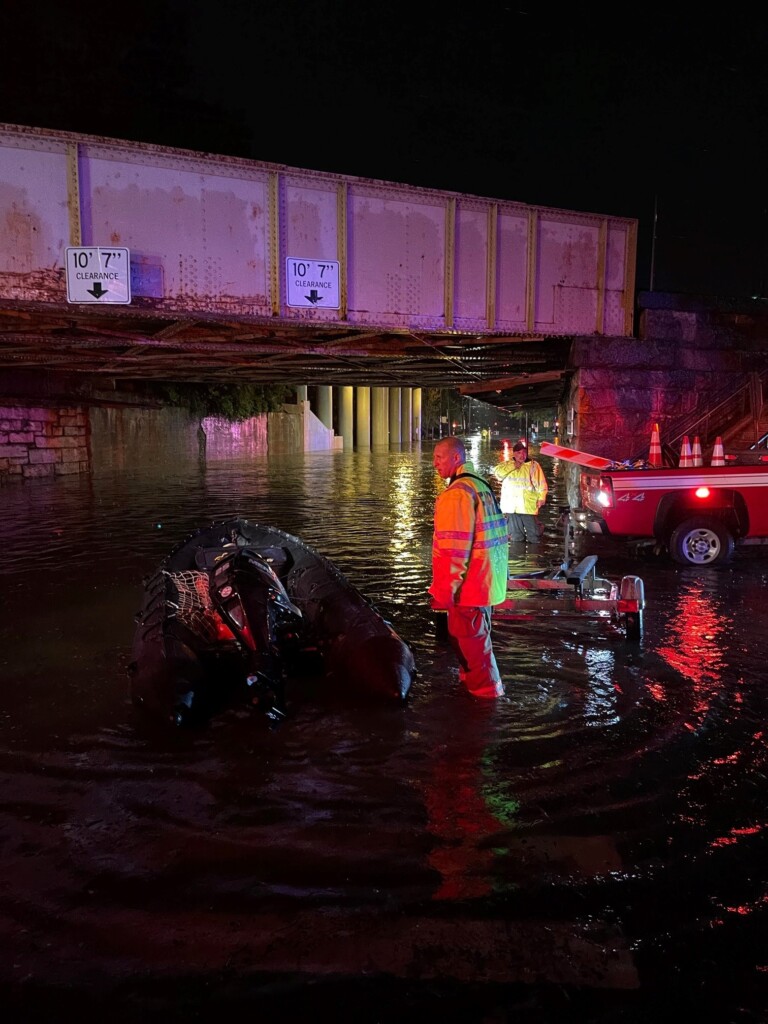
(98, 275)
(312, 283)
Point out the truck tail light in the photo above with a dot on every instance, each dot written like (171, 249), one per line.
(604, 493)
(596, 492)
(627, 604)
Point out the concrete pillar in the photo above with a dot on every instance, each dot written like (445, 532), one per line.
(395, 432)
(416, 435)
(363, 417)
(406, 413)
(325, 405)
(346, 416)
(302, 394)
(380, 415)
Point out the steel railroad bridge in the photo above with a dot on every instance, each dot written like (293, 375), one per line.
(238, 270)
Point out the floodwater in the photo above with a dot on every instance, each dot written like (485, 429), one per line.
(592, 849)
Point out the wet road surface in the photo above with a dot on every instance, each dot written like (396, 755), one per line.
(591, 849)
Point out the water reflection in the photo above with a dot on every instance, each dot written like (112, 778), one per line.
(459, 817)
(693, 641)
(603, 829)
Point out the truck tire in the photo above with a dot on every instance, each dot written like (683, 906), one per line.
(701, 541)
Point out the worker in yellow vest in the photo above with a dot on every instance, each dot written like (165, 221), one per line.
(523, 492)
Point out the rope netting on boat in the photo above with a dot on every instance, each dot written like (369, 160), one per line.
(195, 607)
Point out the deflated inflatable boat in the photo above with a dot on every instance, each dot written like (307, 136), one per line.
(236, 609)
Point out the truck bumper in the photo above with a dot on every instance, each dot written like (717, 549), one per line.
(596, 526)
(586, 520)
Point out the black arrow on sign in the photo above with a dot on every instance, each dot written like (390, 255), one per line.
(313, 297)
(97, 291)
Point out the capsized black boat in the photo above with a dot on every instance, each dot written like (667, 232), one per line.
(238, 607)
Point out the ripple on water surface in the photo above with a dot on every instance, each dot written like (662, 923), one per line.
(616, 798)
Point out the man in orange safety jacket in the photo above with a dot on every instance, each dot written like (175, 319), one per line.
(470, 556)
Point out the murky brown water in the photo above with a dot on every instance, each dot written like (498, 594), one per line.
(572, 854)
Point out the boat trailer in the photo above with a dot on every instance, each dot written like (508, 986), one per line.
(573, 587)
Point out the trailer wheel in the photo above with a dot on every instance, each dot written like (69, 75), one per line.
(633, 589)
(701, 541)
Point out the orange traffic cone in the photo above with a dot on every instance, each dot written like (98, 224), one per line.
(718, 455)
(696, 452)
(685, 453)
(654, 452)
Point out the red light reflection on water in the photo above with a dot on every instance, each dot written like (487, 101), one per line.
(735, 834)
(743, 910)
(694, 647)
(458, 818)
(657, 691)
(692, 644)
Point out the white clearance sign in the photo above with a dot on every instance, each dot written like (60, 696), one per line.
(98, 275)
(312, 283)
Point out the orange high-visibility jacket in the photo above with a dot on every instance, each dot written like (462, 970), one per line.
(470, 552)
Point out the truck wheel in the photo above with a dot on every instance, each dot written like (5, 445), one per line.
(701, 541)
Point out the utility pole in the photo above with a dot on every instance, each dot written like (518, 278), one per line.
(653, 239)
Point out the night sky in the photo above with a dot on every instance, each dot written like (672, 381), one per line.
(621, 113)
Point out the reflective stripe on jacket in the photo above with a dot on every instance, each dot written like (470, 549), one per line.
(522, 487)
(470, 552)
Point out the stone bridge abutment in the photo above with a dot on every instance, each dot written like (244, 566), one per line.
(689, 356)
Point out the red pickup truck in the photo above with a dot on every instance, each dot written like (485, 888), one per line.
(698, 514)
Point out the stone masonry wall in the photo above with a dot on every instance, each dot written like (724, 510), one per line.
(38, 442)
(683, 358)
(689, 351)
